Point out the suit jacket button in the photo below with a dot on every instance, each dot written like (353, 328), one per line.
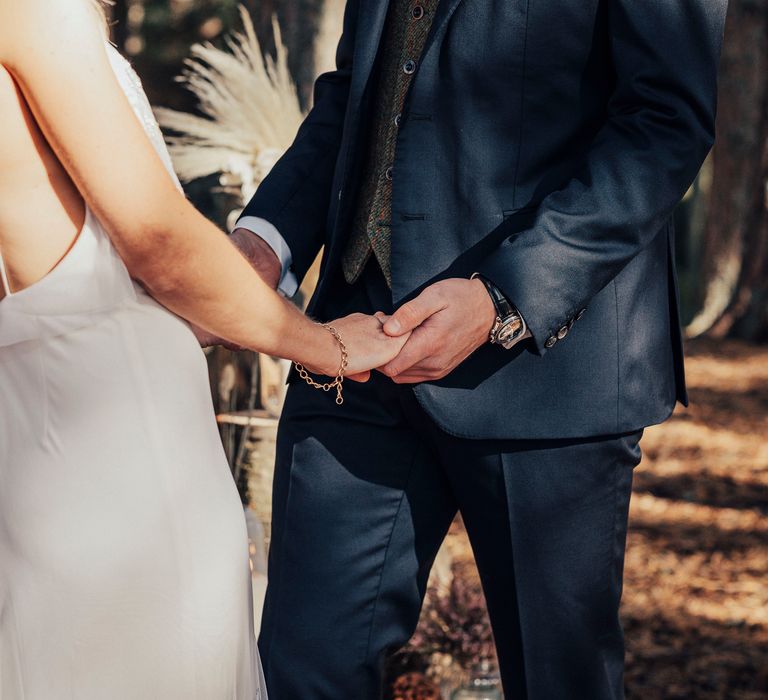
(562, 332)
(550, 341)
(580, 314)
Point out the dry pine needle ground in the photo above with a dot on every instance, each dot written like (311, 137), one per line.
(696, 583)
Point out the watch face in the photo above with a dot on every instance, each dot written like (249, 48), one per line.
(509, 331)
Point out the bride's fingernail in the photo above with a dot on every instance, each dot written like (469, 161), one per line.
(393, 325)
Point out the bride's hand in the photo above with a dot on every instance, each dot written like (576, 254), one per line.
(368, 346)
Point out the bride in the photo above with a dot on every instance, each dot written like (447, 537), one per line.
(123, 555)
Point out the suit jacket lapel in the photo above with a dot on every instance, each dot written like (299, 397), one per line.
(370, 24)
(445, 10)
(373, 14)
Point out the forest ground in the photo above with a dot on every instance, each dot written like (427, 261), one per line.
(695, 605)
(696, 582)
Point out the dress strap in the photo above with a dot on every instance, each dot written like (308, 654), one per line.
(4, 276)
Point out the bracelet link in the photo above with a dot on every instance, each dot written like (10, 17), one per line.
(338, 382)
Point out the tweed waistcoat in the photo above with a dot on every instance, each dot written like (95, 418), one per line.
(403, 39)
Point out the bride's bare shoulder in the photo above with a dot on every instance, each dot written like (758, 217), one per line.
(40, 29)
(37, 9)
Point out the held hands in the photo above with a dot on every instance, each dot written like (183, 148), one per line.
(368, 346)
(444, 325)
(424, 340)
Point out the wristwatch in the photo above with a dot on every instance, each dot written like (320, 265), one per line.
(509, 325)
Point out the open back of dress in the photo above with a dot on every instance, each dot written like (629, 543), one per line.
(123, 551)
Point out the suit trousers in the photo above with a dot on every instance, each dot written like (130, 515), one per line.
(364, 494)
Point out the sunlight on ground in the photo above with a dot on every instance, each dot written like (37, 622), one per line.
(696, 584)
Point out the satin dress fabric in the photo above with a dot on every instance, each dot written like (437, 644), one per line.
(123, 549)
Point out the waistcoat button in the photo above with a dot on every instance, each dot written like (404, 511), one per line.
(418, 12)
(409, 67)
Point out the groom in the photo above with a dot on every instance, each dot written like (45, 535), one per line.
(500, 174)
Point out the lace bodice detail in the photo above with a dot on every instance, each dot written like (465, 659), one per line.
(137, 98)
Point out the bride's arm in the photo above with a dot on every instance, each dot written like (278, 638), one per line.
(56, 53)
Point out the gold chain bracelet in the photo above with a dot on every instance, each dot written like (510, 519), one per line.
(339, 381)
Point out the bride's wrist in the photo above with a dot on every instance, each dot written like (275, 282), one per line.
(338, 380)
(323, 354)
(334, 354)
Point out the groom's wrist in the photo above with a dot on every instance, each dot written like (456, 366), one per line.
(267, 232)
(259, 254)
(509, 327)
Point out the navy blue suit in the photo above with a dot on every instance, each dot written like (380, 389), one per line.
(545, 144)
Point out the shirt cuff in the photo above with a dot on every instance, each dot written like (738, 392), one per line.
(289, 284)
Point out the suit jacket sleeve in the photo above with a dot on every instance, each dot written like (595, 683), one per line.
(295, 196)
(658, 130)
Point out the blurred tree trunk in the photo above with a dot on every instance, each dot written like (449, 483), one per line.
(119, 21)
(300, 22)
(734, 255)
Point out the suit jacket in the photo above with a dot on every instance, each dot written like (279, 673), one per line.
(545, 144)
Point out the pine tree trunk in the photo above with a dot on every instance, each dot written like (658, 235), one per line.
(734, 255)
(118, 19)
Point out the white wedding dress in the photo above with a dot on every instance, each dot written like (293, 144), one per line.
(123, 553)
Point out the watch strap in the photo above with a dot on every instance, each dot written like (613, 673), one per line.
(503, 308)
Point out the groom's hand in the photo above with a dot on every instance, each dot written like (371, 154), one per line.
(266, 263)
(450, 320)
